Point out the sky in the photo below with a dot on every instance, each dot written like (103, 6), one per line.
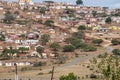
(103, 3)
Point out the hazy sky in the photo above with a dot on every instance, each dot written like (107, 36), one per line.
(105, 3)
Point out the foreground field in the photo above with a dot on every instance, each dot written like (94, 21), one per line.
(77, 65)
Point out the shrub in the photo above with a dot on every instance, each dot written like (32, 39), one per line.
(40, 73)
(68, 48)
(37, 64)
(89, 48)
(93, 76)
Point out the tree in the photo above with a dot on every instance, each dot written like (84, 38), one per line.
(55, 46)
(108, 20)
(45, 38)
(107, 72)
(9, 52)
(70, 76)
(82, 27)
(23, 49)
(115, 42)
(116, 51)
(80, 34)
(2, 37)
(8, 18)
(39, 21)
(17, 12)
(49, 23)
(40, 50)
(89, 48)
(5, 53)
(97, 41)
(79, 2)
(68, 48)
(43, 10)
(94, 13)
(76, 43)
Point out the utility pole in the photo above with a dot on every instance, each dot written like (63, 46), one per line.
(16, 73)
(52, 73)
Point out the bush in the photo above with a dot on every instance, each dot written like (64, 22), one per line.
(116, 51)
(89, 48)
(97, 41)
(37, 64)
(25, 68)
(68, 48)
(40, 73)
(115, 42)
(93, 76)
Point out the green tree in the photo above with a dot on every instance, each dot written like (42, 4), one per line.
(49, 23)
(68, 48)
(97, 41)
(55, 46)
(76, 43)
(94, 13)
(80, 34)
(40, 50)
(45, 38)
(89, 48)
(79, 2)
(5, 53)
(70, 76)
(2, 37)
(116, 51)
(9, 52)
(108, 20)
(9, 18)
(107, 72)
(23, 49)
(82, 27)
(43, 10)
(115, 42)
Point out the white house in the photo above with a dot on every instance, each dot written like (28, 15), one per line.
(0, 63)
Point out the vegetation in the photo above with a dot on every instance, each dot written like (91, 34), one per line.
(40, 50)
(70, 76)
(9, 52)
(82, 27)
(45, 38)
(55, 46)
(116, 52)
(80, 34)
(94, 13)
(49, 23)
(68, 48)
(2, 37)
(97, 41)
(23, 49)
(115, 42)
(38, 64)
(79, 2)
(107, 69)
(9, 18)
(108, 20)
(89, 48)
(43, 10)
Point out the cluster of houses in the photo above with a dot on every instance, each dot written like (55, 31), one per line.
(66, 17)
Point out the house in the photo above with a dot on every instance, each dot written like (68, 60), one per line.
(0, 63)
(19, 63)
(34, 54)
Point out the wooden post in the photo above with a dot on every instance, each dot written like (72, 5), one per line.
(52, 73)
